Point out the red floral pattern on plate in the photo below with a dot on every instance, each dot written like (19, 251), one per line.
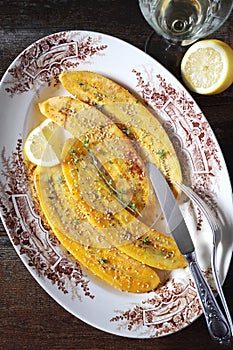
(27, 232)
(188, 123)
(188, 129)
(172, 307)
(46, 59)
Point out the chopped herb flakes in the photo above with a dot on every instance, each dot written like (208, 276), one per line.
(60, 179)
(133, 207)
(126, 131)
(49, 180)
(161, 153)
(146, 240)
(85, 87)
(86, 144)
(76, 220)
(72, 152)
(102, 261)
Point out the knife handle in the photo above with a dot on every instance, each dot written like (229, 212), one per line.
(216, 322)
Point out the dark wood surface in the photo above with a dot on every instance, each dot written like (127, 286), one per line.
(29, 318)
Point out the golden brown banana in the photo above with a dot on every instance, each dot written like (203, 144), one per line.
(69, 224)
(130, 115)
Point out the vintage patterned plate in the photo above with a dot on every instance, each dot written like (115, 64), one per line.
(32, 77)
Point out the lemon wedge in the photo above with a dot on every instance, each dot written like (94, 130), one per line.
(207, 67)
(43, 145)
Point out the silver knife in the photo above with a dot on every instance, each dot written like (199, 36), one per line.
(216, 322)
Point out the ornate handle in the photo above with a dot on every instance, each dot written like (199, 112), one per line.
(216, 322)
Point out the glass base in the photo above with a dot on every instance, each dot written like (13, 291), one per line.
(169, 54)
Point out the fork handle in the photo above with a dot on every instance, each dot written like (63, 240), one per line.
(216, 322)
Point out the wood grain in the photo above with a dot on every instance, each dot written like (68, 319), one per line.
(29, 318)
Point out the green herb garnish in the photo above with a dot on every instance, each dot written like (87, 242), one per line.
(102, 261)
(60, 179)
(126, 131)
(161, 153)
(86, 144)
(146, 240)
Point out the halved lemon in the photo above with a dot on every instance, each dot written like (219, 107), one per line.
(207, 67)
(43, 145)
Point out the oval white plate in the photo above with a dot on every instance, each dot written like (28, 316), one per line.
(32, 78)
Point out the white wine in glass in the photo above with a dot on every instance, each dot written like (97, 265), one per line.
(185, 21)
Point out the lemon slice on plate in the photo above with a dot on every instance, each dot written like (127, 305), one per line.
(207, 67)
(43, 145)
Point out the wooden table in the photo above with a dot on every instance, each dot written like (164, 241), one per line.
(29, 318)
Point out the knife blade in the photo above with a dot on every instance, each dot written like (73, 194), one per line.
(217, 324)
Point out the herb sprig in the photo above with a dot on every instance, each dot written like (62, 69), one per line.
(103, 176)
(109, 182)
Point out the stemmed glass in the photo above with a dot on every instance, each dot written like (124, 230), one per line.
(179, 23)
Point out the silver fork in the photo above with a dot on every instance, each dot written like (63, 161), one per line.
(216, 230)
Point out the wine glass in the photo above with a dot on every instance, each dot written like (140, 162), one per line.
(182, 22)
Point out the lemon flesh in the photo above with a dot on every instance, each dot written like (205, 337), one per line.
(43, 145)
(207, 67)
